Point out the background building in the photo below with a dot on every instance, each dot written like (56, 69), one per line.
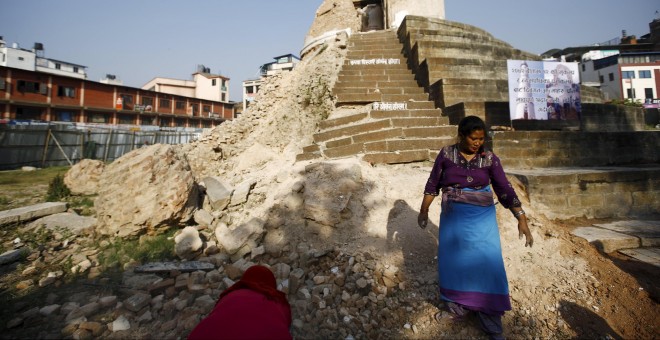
(204, 85)
(34, 60)
(283, 63)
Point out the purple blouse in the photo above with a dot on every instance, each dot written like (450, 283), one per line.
(451, 169)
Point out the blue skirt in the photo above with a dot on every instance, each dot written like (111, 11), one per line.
(470, 266)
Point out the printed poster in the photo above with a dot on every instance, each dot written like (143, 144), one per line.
(544, 90)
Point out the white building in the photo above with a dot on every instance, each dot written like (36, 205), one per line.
(283, 63)
(34, 60)
(250, 89)
(204, 85)
(632, 75)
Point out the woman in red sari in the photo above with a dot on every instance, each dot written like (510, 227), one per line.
(252, 308)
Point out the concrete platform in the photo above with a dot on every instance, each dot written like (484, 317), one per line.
(607, 240)
(31, 212)
(639, 239)
(647, 255)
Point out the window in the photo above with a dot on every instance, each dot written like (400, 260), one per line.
(64, 116)
(212, 82)
(98, 118)
(126, 98)
(645, 73)
(180, 122)
(207, 108)
(75, 69)
(28, 86)
(648, 93)
(126, 119)
(628, 74)
(147, 101)
(584, 67)
(224, 83)
(611, 76)
(630, 93)
(165, 103)
(21, 58)
(2, 83)
(180, 105)
(58, 66)
(65, 91)
(194, 108)
(224, 97)
(601, 79)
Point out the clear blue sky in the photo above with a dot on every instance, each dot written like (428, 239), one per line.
(137, 40)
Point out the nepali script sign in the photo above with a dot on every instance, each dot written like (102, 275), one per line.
(544, 90)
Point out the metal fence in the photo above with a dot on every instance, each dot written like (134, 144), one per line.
(55, 145)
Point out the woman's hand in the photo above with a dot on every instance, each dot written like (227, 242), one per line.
(523, 229)
(423, 219)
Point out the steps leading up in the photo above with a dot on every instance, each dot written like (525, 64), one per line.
(401, 125)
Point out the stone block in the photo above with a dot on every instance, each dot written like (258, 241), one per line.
(339, 142)
(345, 151)
(218, 192)
(647, 255)
(414, 122)
(396, 158)
(606, 240)
(332, 123)
(31, 212)
(378, 135)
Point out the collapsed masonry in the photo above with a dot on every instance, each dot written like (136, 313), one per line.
(287, 184)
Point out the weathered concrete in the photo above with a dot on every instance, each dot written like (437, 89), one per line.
(596, 192)
(164, 267)
(606, 240)
(31, 212)
(75, 223)
(647, 255)
(647, 231)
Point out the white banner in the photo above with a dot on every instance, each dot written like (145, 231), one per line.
(544, 90)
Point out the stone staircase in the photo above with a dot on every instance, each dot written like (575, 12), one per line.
(401, 124)
(462, 66)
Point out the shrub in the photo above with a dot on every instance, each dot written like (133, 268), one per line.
(57, 190)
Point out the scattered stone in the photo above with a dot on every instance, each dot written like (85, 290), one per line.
(188, 244)
(12, 255)
(138, 301)
(165, 267)
(120, 324)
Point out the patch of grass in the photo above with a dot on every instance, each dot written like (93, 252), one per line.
(148, 249)
(57, 190)
(22, 188)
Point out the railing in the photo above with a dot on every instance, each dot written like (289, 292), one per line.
(55, 145)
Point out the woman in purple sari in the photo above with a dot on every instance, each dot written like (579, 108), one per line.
(470, 266)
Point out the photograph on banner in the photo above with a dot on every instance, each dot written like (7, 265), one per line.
(543, 90)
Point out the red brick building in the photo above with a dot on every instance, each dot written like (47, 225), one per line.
(30, 95)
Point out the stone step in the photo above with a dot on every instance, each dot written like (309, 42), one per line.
(369, 90)
(402, 68)
(31, 212)
(377, 125)
(386, 146)
(373, 35)
(376, 83)
(344, 98)
(379, 114)
(454, 37)
(591, 192)
(650, 255)
(374, 44)
(374, 78)
(627, 234)
(399, 157)
(429, 49)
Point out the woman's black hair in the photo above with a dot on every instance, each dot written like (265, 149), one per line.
(469, 124)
